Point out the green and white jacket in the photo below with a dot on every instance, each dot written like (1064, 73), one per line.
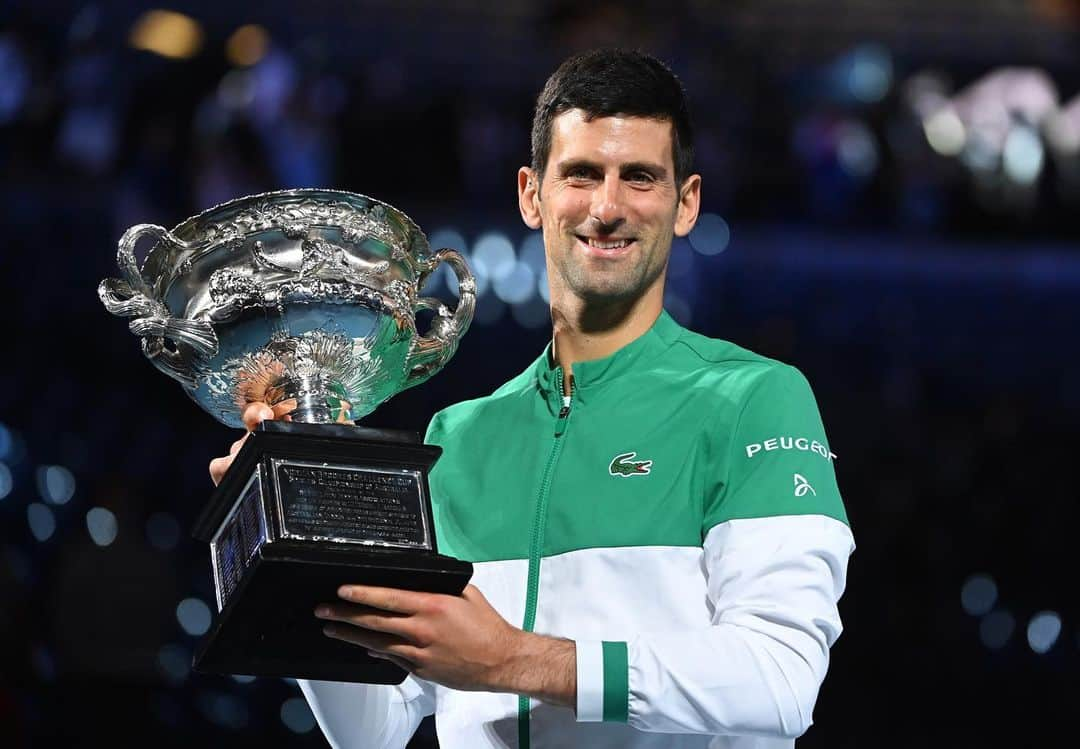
(676, 515)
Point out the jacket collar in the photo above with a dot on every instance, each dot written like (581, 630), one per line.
(596, 372)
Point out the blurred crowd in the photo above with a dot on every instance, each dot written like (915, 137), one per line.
(891, 209)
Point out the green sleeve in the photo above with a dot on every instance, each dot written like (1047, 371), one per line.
(434, 431)
(778, 460)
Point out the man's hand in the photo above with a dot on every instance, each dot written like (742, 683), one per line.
(254, 414)
(458, 641)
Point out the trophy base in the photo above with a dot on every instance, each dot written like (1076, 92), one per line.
(304, 509)
(269, 627)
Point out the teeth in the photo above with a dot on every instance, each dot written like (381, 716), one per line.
(618, 244)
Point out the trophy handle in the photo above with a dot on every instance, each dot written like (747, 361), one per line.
(134, 297)
(125, 253)
(429, 353)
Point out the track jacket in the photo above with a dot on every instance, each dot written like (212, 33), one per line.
(677, 515)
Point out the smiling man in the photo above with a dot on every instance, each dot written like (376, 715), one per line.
(657, 562)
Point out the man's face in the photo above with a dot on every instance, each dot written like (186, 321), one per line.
(608, 205)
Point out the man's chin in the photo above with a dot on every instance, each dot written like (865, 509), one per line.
(608, 293)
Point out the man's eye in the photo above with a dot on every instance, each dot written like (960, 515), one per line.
(642, 177)
(579, 173)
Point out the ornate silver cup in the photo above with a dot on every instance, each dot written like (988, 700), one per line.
(311, 296)
(301, 294)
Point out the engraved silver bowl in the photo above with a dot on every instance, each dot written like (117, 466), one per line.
(309, 295)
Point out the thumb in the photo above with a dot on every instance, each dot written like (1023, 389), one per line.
(255, 414)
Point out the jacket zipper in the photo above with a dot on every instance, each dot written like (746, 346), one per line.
(536, 540)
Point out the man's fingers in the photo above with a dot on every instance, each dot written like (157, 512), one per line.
(368, 618)
(235, 447)
(283, 408)
(387, 599)
(379, 642)
(255, 413)
(218, 466)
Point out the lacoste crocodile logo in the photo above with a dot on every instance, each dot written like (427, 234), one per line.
(625, 465)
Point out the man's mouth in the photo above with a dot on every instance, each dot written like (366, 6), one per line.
(605, 245)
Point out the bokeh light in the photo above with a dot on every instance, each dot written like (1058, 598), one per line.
(495, 254)
(14, 79)
(101, 523)
(871, 73)
(516, 286)
(996, 628)
(247, 45)
(7, 481)
(542, 287)
(194, 616)
(56, 484)
(531, 251)
(162, 531)
(223, 709)
(710, 235)
(167, 33)
(1023, 155)
(42, 521)
(296, 715)
(1043, 631)
(174, 663)
(945, 132)
(978, 594)
(7, 443)
(856, 149)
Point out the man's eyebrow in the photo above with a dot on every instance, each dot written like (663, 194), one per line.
(656, 170)
(571, 164)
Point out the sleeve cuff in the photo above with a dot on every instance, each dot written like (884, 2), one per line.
(603, 690)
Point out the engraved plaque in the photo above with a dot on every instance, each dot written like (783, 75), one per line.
(351, 504)
(239, 538)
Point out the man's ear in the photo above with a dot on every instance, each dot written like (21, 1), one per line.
(689, 205)
(529, 197)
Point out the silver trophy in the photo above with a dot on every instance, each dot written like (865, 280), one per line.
(308, 297)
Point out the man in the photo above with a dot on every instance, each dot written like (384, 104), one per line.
(658, 539)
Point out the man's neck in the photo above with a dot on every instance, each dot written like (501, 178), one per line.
(583, 332)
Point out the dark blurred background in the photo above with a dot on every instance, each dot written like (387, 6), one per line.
(891, 191)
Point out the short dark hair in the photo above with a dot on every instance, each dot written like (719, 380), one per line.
(607, 82)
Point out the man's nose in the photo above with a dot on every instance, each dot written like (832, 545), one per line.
(607, 207)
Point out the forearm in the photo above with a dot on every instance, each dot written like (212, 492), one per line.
(726, 679)
(540, 667)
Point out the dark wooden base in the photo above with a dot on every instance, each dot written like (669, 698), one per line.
(269, 627)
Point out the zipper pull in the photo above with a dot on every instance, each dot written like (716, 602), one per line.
(564, 412)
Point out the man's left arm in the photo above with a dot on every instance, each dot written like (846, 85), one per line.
(775, 552)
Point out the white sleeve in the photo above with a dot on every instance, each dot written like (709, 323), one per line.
(773, 588)
(369, 716)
